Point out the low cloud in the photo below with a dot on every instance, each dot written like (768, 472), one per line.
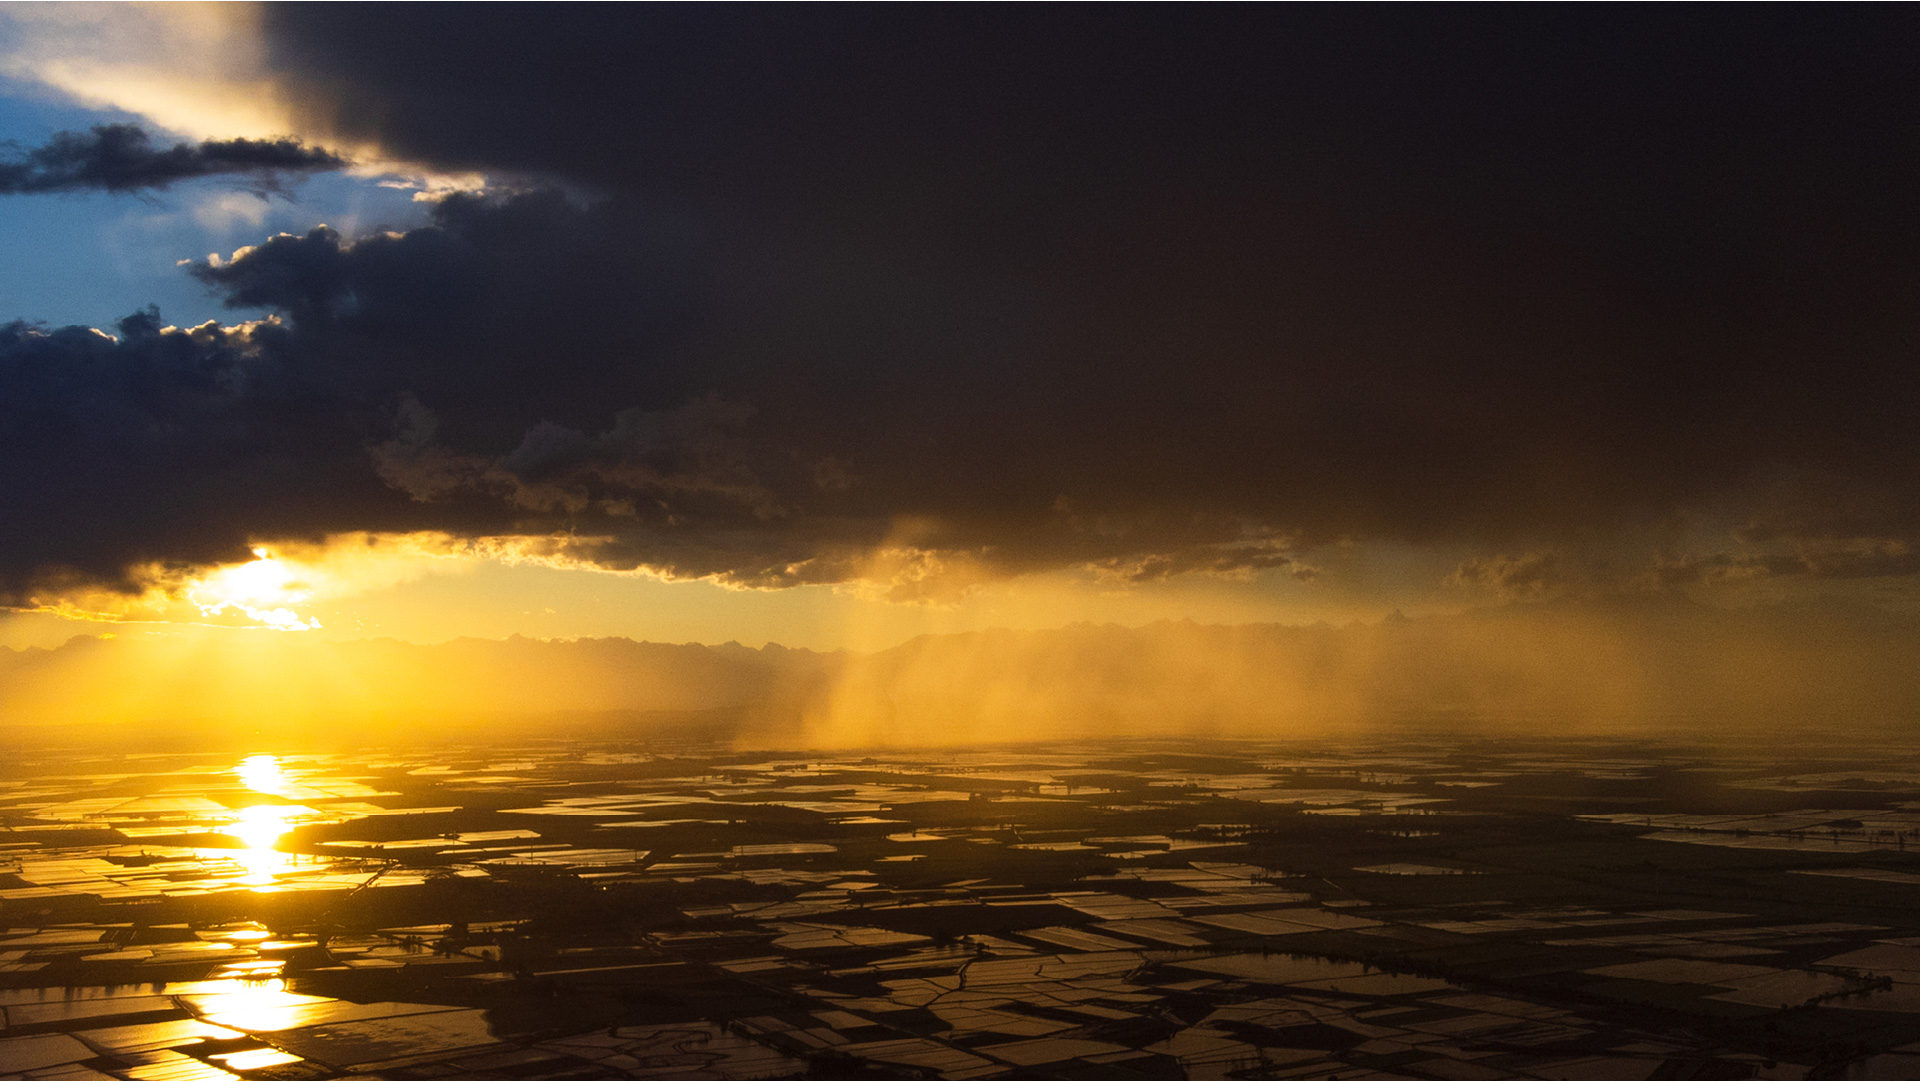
(1529, 576)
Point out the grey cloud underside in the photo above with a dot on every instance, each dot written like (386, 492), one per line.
(531, 365)
(1150, 294)
(122, 158)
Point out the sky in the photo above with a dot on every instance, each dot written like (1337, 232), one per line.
(835, 326)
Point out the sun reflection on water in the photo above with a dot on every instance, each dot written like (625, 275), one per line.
(263, 774)
(261, 826)
(254, 1005)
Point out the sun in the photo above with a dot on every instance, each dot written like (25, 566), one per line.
(265, 589)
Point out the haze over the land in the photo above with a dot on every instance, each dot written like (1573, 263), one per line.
(832, 327)
(1659, 669)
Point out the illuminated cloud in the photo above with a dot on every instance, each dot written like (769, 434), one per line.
(196, 68)
(253, 589)
(278, 587)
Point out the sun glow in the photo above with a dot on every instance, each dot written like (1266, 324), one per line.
(264, 588)
(278, 587)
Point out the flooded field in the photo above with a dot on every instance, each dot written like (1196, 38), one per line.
(560, 910)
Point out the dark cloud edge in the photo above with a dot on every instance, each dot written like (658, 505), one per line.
(122, 158)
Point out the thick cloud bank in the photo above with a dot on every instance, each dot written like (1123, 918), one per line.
(122, 158)
(929, 295)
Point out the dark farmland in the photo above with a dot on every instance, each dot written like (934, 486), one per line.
(1455, 909)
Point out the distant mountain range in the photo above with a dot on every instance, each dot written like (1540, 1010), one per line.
(1589, 667)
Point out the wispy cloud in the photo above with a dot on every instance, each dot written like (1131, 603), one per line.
(123, 158)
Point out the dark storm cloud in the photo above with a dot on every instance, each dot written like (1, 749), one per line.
(122, 158)
(1154, 291)
(141, 447)
(166, 444)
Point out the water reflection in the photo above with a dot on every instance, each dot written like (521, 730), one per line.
(255, 1005)
(261, 826)
(263, 774)
(248, 1060)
